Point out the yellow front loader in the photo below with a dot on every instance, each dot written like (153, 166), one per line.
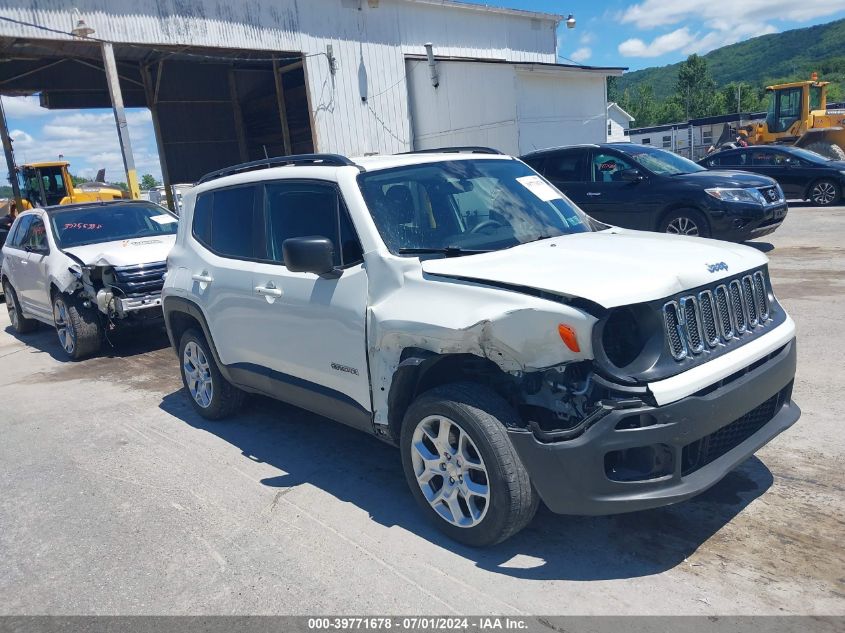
(48, 184)
(798, 115)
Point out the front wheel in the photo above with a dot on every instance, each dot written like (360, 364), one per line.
(825, 193)
(461, 466)
(78, 327)
(685, 222)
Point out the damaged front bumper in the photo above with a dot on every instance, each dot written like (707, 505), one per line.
(645, 457)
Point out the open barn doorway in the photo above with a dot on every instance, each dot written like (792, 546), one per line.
(211, 107)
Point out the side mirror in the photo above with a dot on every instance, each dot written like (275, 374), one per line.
(312, 254)
(631, 175)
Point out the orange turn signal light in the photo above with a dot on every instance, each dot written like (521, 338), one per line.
(569, 337)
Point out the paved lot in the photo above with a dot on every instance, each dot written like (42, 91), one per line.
(116, 499)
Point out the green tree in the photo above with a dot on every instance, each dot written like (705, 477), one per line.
(696, 89)
(148, 181)
(641, 105)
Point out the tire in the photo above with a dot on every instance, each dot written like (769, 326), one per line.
(477, 419)
(685, 222)
(825, 192)
(20, 323)
(211, 395)
(828, 149)
(77, 327)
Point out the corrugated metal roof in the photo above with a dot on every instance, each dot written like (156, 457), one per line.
(537, 15)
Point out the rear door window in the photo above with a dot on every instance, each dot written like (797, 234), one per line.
(224, 221)
(566, 166)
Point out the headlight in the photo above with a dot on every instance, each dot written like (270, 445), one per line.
(737, 195)
(630, 338)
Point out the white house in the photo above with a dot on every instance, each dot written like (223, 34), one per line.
(618, 123)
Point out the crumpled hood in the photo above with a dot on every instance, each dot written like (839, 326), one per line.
(143, 250)
(612, 268)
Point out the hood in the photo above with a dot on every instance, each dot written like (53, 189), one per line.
(724, 179)
(143, 250)
(614, 267)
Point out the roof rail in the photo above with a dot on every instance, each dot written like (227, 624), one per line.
(469, 149)
(325, 160)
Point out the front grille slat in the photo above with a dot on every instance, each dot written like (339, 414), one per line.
(142, 279)
(717, 315)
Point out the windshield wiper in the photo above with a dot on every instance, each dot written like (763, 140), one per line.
(448, 251)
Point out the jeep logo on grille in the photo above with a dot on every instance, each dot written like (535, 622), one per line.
(714, 268)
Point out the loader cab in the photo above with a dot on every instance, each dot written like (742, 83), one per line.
(792, 103)
(45, 184)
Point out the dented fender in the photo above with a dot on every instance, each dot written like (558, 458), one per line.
(518, 332)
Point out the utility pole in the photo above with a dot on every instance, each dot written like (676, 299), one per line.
(120, 120)
(738, 98)
(10, 159)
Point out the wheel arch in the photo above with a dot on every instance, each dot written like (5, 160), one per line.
(679, 206)
(416, 374)
(839, 184)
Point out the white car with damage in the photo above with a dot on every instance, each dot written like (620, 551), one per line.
(457, 305)
(87, 269)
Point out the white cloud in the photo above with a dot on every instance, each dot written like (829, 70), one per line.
(660, 45)
(582, 54)
(587, 38)
(716, 39)
(653, 13)
(88, 140)
(23, 107)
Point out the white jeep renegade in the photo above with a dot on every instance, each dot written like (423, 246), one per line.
(457, 305)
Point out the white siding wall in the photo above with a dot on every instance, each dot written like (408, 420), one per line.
(511, 108)
(560, 108)
(369, 45)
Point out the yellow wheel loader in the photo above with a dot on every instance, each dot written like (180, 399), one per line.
(48, 184)
(798, 115)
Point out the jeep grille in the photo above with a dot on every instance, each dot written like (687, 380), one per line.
(715, 316)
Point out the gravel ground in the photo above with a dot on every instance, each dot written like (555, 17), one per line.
(116, 499)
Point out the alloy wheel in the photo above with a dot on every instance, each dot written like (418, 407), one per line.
(64, 327)
(682, 226)
(197, 371)
(11, 305)
(823, 193)
(450, 471)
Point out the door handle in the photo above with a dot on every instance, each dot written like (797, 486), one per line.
(593, 193)
(203, 278)
(267, 291)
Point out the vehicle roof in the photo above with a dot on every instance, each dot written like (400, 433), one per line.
(53, 163)
(61, 208)
(389, 161)
(621, 146)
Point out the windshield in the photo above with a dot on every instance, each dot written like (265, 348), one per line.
(661, 162)
(806, 154)
(467, 205)
(109, 223)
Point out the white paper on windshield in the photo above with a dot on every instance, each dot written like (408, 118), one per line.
(539, 188)
(164, 219)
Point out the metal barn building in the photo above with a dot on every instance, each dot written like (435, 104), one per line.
(233, 81)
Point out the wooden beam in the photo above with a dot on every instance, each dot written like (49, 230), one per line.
(283, 109)
(290, 67)
(120, 119)
(238, 115)
(162, 154)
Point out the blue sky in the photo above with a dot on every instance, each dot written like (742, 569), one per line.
(632, 33)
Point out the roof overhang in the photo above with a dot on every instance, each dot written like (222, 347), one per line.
(615, 106)
(521, 13)
(538, 67)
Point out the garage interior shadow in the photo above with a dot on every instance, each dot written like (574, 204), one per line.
(359, 469)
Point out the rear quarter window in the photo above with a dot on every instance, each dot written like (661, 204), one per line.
(224, 222)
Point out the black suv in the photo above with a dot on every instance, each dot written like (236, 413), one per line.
(642, 187)
(802, 174)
